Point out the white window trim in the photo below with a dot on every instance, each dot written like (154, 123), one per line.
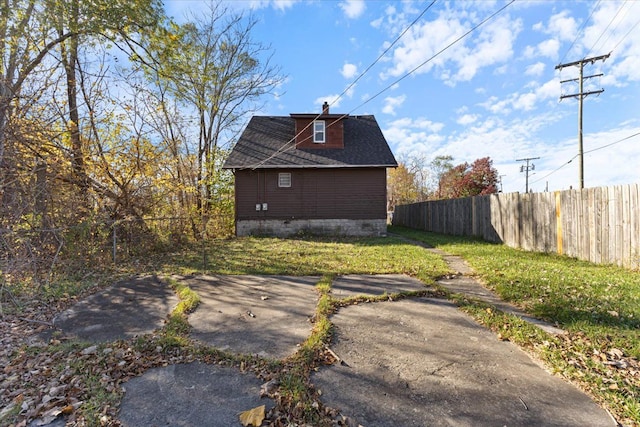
(284, 180)
(317, 132)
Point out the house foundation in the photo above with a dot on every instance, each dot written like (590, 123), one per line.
(317, 227)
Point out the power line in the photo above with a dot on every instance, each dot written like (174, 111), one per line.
(435, 55)
(581, 95)
(383, 53)
(286, 146)
(612, 143)
(605, 30)
(586, 152)
(609, 25)
(555, 170)
(584, 24)
(626, 35)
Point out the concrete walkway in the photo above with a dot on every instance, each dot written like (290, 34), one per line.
(463, 283)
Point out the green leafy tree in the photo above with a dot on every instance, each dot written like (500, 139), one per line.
(440, 166)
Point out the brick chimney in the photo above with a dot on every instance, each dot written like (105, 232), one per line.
(325, 108)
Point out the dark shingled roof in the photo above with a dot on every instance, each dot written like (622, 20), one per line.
(267, 143)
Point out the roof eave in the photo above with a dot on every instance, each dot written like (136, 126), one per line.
(310, 166)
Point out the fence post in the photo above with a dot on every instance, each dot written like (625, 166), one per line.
(114, 242)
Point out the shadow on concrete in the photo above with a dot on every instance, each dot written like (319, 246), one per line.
(374, 284)
(423, 362)
(135, 306)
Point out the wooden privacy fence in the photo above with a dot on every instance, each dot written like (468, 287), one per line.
(601, 225)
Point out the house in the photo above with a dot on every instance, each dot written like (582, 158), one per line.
(311, 173)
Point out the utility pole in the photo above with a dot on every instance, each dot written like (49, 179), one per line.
(581, 95)
(500, 181)
(526, 170)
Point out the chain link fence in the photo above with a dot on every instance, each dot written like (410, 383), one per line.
(31, 256)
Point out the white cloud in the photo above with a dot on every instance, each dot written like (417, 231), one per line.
(410, 136)
(559, 173)
(332, 99)
(353, 8)
(526, 101)
(377, 23)
(280, 5)
(495, 45)
(491, 45)
(549, 48)
(614, 29)
(349, 71)
(563, 26)
(467, 119)
(535, 69)
(496, 106)
(504, 141)
(392, 102)
(560, 27)
(421, 43)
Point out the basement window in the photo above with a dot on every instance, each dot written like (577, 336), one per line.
(318, 131)
(284, 180)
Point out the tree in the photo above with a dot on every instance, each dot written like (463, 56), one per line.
(401, 187)
(214, 68)
(440, 165)
(88, 22)
(26, 40)
(466, 180)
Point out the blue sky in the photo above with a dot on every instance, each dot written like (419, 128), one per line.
(493, 93)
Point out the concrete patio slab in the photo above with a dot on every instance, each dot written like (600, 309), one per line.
(422, 362)
(264, 315)
(374, 284)
(135, 306)
(193, 394)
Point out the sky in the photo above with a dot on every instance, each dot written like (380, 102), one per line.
(468, 79)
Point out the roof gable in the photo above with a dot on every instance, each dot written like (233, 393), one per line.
(268, 142)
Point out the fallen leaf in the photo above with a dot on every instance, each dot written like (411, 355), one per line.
(49, 416)
(253, 417)
(617, 353)
(269, 387)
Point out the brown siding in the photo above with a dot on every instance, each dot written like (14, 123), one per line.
(358, 193)
(334, 137)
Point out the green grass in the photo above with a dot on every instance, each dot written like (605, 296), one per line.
(315, 256)
(599, 306)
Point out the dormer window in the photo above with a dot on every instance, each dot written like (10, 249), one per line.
(318, 132)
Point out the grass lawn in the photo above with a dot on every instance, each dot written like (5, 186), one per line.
(599, 306)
